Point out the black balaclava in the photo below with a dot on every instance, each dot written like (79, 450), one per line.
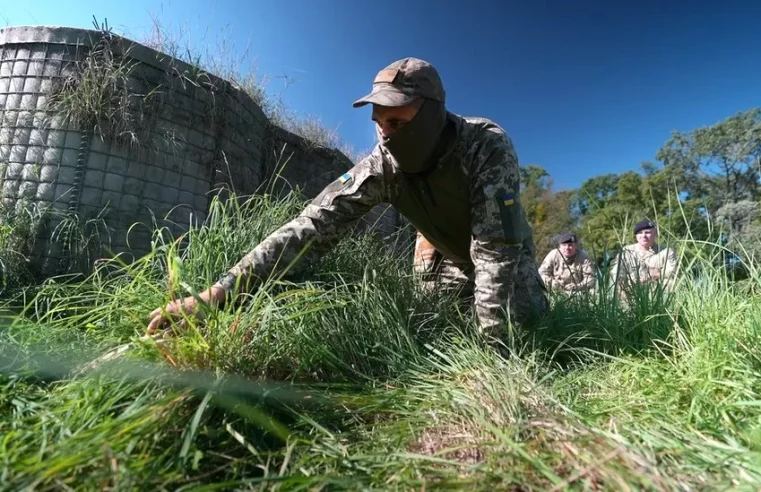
(414, 144)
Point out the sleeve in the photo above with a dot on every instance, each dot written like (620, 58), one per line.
(317, 228)
(497, 223)
(625, 273)
(670, 270)
(588, 270)
(546, 269)
(616, 271)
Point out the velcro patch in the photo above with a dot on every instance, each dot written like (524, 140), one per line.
(511, 217)
(345, 178)
(386, 76)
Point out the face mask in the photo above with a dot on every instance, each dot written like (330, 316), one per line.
(413, 145)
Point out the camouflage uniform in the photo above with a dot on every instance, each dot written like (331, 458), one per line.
(467, 206)
(633, 266)
(568, 275)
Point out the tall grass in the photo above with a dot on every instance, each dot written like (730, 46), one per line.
(348, 375)
(96, 94)
(18, 237)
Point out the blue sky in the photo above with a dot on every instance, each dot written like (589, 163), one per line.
(583, 88)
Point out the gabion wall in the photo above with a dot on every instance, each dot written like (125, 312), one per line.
(180, 134)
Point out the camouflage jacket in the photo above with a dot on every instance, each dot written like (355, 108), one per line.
(467, 206)
(632, 265)
(560, 274)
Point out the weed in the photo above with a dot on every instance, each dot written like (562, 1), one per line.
(347, 375)
(97, 97)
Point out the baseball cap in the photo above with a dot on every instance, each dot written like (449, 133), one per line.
(567, 238)
(404, 81)
(642, 225)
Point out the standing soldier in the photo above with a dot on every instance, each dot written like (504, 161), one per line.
(646, 261)
(454, 178)
(568, 268)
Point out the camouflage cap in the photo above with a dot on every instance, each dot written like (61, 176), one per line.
(404, 81)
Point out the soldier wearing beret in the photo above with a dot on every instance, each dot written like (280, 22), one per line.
(567, 268)
(646, 261)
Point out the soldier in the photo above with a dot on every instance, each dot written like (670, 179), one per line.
(567, 268)
(646, 261)
(454, 178)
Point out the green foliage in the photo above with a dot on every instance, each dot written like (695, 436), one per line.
(29, 230)
(702, 173)
(81, 240)
(548, 212)
(98, 96)
(18, 235)
(348, 375)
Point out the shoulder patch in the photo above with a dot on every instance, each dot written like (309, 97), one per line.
(510, 214)
(345, 178)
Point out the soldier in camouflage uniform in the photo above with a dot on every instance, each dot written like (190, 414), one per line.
(454, 178)
(646, 261)
(567, 268)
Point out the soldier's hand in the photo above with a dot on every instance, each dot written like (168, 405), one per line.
(181, 309)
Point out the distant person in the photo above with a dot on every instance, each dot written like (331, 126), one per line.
(646, 261)
(454, 178)
(568, 268)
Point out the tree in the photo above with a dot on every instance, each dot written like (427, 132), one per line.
(595, 193)
(557, 219)
(720, 163)
(742, 229)
(548, 212)
(534, 189)
(709, 171)
(609, 205)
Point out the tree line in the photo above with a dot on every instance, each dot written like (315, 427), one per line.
(706, 184)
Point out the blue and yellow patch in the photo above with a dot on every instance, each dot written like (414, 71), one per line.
(508, 199)
(345, 178)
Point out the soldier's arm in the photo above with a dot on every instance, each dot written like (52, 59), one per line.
(497, 230)
(546, 269)
(615, 271)
(670, 269)
(588, 270)
(316, 229)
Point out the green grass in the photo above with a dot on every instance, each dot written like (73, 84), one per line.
(348, 376)
(17, 240)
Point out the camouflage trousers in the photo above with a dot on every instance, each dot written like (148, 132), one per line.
(439, 273)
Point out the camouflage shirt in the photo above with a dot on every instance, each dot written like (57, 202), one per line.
(578, 274)
(467, 206)
(633, 265)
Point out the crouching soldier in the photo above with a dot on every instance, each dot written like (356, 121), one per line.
(646, 261)
(456, 179)
(567, 268)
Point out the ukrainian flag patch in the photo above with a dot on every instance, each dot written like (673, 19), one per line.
(345, 178)
(508, 199)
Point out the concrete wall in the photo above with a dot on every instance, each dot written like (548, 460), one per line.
(180, 133)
